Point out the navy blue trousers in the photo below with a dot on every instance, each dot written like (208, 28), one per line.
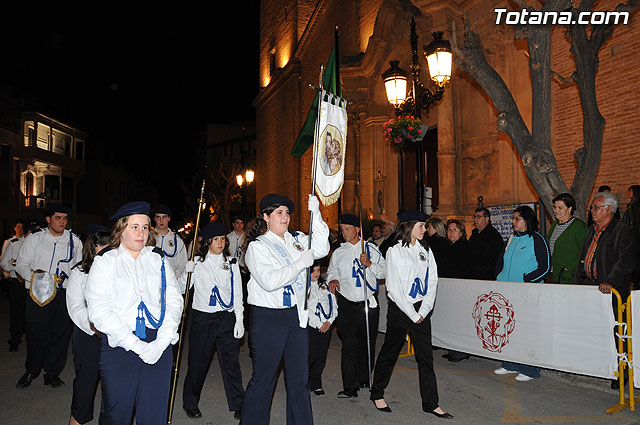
(207, 332)
(128, 383)
(276, 337)
(17, 301)
(86, 359)
(318, 348)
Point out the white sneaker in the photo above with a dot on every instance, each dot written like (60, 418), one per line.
(523, 378)
(503, 371)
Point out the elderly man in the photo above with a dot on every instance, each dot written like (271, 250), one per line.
(608, 257)
(486, 246)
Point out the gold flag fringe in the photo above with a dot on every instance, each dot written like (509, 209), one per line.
(331, 198)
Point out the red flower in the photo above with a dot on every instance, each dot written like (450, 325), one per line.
(410, 128)
(419, 131)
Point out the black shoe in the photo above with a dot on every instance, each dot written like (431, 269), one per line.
(25, 380)
(348, 393)
(319, 392)
(192, 413)
(444, 415)
(382, 409)
(237, 414)
(13, 348)
(457, 359)
(56, 382)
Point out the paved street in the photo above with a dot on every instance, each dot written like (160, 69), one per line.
(468, 390)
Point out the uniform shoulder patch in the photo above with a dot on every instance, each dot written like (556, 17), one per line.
(36, 231)
(104, 250)
(15, 240)
(158, 251)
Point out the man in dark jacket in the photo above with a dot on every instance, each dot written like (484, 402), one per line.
(608, 255)
(486, 246)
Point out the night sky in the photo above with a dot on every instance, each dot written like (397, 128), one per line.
(143, 83)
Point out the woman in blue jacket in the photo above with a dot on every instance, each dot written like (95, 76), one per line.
(526, 259)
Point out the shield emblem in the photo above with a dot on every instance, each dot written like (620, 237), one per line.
(43, 287)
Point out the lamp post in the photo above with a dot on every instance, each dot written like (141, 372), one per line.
(243, 181)
(439, 59)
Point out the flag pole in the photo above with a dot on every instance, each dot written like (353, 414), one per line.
(186, 305)
(364, 287)
(314, 171)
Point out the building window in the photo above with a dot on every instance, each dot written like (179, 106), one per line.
(61, 143)
(44, 131)
(29, 133)
(79, 151)
(272, 58)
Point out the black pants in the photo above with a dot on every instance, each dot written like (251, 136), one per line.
(86, 359)
(318, 347)
(17, 300)
(398, 324)
(209, 331)
(48, 335)
(352, 331)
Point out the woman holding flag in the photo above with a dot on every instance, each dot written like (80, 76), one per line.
(412, 279)
(278, 259)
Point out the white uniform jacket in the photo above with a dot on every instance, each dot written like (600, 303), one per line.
(213, 277)
(235, 247)
(10, 255)
(275, 268)
(76, 304)
(323, 305)
(345, 262)
(42, 251)
(408, 267)
(117, 283)
(174, 250)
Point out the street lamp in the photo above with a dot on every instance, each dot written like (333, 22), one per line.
(243, 181)
(439, 58)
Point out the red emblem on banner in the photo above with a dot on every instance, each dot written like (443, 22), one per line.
(495, 320)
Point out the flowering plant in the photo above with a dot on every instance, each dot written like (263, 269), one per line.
(402, 129)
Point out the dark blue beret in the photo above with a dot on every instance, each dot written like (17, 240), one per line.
(56, 208)
(412, 215)
(272, 200)
(212, 230)
(95, 228)
(137, 207)
(163, 209)
(349, 219)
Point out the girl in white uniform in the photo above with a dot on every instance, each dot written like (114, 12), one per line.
(278, 260)
(134, 300)
(216, 320)
(324, 310)
(86, 342)
(412, 279)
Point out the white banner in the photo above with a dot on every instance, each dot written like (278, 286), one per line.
(562, 327)
(330, 149)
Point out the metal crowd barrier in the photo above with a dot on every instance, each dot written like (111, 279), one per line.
(625, 360)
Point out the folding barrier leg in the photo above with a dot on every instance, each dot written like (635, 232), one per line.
(622, 362)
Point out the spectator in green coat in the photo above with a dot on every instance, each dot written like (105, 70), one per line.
(565, 239)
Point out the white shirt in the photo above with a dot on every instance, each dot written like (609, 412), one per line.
(117, 283)
(321, 302)
(235, 247)
(341, 268)
(215, 272)
(10, 255)
(404, 265)
(43, 251)
(272, 274)
(174, 251)
(76, 304)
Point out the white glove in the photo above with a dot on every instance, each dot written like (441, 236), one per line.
(306, 258)
(138, 345)
(238, 329)
(190, 266)
(153, 352)
(314, 204)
